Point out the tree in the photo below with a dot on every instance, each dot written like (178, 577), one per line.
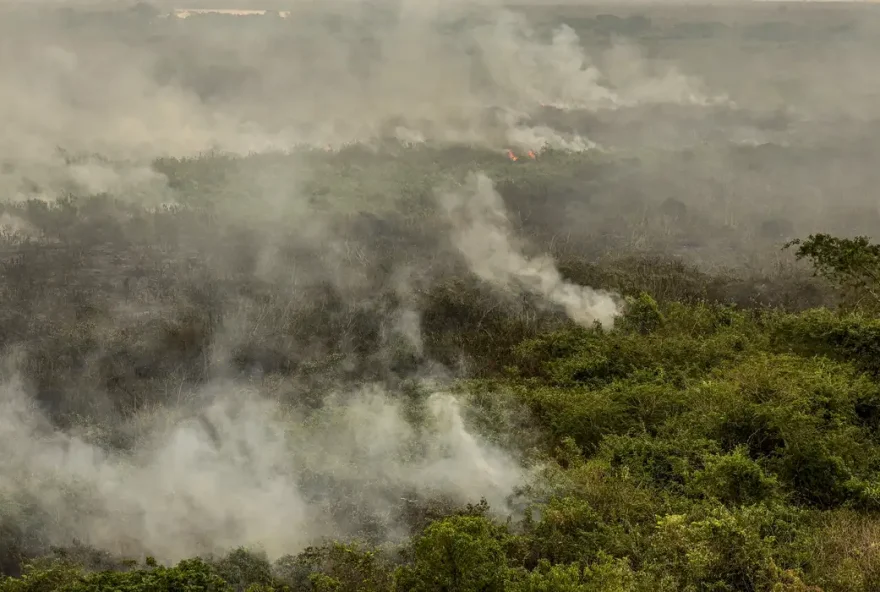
(852, 264)
(457, 554)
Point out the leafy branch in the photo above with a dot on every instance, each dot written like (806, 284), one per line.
(853, 264)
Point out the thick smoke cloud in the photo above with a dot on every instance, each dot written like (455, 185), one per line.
(319, 78)
(237, 469)
(483, 234)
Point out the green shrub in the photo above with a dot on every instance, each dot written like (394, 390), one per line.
(659, 462)
(569, 530)
(733, 479)
(849, 337)
(643, 315)
(606, 574)
(691, 341)
(192, 575)
(457, 554)
(725, 550)
(345, 567)
(640, 404)
(44, 576)
(796, 416)
(242, 569)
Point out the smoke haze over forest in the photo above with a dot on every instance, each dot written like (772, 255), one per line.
(249, 260)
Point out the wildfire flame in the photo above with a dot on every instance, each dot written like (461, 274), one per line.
(513, 157)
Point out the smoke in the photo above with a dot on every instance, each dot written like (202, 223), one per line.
(236, 468)
(482, 233)
(173, 398)
(475, 76)
(561, 74)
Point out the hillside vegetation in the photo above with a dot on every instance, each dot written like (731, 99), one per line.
(389, 297)
(710, 440)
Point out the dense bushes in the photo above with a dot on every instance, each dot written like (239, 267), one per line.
(706, 442)
(193, 574)
(694, 447)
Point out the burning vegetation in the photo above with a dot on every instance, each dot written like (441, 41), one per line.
(530, 155)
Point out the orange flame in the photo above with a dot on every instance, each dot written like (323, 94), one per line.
(512, 156)
(532, 155)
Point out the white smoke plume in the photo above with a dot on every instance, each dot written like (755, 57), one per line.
(482, 233)
(132, 89)
(236, 468)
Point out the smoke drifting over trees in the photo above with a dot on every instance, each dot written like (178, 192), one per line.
(274, 280)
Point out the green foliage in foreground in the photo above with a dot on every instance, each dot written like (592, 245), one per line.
(693, 447)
